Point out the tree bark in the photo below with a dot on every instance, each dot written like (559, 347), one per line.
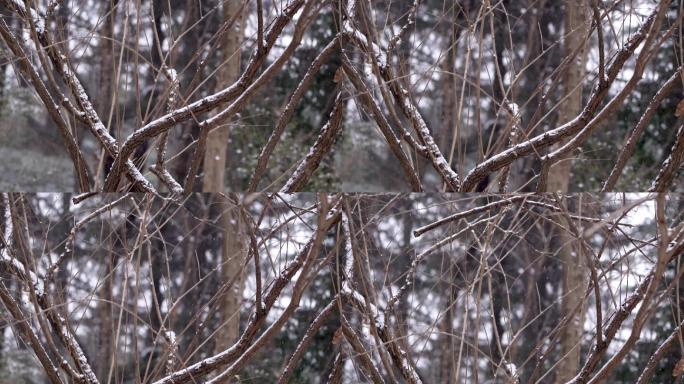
(104, 101)
(233, 255)
(105, 98)
(450, 86)
(3, 70)
(217, 141)
(576, 27)
(447, 366)
(234, 249)
(105, 315)
(574, 270)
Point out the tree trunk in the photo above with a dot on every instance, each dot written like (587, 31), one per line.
(574, 271)
(3, 67)
(3, 70)
(450, 86)
(576, 27)
(104, 102)
(234, 249)
(184, 54)
(107, 67)
(447, 365)
(106, 336)
(233, 255)
(217, 141)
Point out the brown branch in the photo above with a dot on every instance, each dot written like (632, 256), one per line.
(632, 138)
(241, 91)
(568, 129)
(29, 334)
(401, 98)
(670, 167)
(286, 115)
(456, 216)
(367, 100)
(37, 290)
(31, 74)
(335, 376)
(307, 339)
(298, 289)
(67, 74)
(659, 353)
(364, 355)
(643, 58)
(320, 148)
(641, 294)
(256, 320)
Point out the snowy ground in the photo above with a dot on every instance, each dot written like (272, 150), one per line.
(28, 170)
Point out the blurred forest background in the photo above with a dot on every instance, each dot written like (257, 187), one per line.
(461, 61)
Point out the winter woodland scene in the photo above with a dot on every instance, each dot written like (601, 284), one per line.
(341, 191)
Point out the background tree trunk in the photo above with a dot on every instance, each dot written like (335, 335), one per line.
(234, 249)
(576, 28)
(106, 335)
(233, 254)
(217, 141)
(107, 93)
(574, 272)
